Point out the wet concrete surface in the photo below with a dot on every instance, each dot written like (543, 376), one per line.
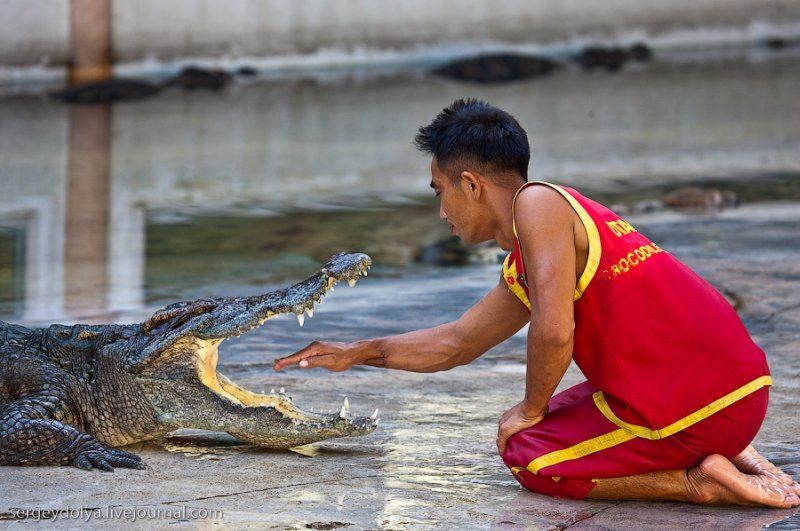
(432, 462)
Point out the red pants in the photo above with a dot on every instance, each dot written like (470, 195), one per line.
(573, 419)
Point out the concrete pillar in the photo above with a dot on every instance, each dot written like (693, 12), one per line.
(87, 211)
(90, 41)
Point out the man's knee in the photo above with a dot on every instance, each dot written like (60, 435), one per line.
(519, 448)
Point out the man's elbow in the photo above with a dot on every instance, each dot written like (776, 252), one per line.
(461, 358)
(460, 350)
(451, 357)
(453, 354)
(554, 336)
(445, 353)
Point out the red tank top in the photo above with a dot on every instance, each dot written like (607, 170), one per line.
(662, 346)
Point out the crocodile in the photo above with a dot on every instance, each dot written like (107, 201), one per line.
(72, 395)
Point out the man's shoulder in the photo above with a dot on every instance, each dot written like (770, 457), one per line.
(542, 204)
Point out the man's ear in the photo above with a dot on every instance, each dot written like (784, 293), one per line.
(471, 184)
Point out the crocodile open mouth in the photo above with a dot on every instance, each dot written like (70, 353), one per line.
(299, 426)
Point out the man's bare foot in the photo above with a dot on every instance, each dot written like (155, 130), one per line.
(716, 481)
(752, 462)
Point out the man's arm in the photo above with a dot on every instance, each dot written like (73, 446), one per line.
(495, 318)
(549, 253)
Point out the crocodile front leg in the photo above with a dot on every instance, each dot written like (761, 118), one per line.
(30, 435)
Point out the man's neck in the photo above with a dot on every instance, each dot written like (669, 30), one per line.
(504, 221)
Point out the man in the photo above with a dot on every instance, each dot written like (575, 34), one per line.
(676, 389)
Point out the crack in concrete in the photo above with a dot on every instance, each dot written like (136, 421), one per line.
(781, 311)
(583, 517)
(291, 485)
(265, 489)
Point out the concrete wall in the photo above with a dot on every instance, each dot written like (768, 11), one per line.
(36, 31)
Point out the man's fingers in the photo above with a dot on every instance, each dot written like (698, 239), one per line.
(327, 361)
(501, 442)
(312, 349)
(502, 437)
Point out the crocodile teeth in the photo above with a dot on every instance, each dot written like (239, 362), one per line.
(310, 312)
(301, 318)
(272, 391)
(364, 272)
(376, 422)
(345, 408)
(282, 391)
(374, 415)
(352, 282)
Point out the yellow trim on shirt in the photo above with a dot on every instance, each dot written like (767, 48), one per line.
(516, 289)
(595, 247)
(626, 431)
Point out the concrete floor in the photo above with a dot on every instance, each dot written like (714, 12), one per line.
(432, 462)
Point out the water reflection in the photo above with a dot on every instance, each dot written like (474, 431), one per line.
(12, 263)
(427, 473)
(86, 227)
(250, 248)
(106, 209)
(199, 444)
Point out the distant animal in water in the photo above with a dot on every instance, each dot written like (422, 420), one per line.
(114, 90)
(497, 68)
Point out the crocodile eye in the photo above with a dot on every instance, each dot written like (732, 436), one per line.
(64, 334)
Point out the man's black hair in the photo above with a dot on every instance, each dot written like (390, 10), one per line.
(470, 130)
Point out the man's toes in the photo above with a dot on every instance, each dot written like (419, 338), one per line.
(791, 498)
(734, 487)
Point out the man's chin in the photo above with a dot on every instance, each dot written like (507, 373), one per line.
(463, 239)
(468, 239)
(471, 240)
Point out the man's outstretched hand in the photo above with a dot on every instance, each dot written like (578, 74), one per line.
(513, 421)
(333, 356)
